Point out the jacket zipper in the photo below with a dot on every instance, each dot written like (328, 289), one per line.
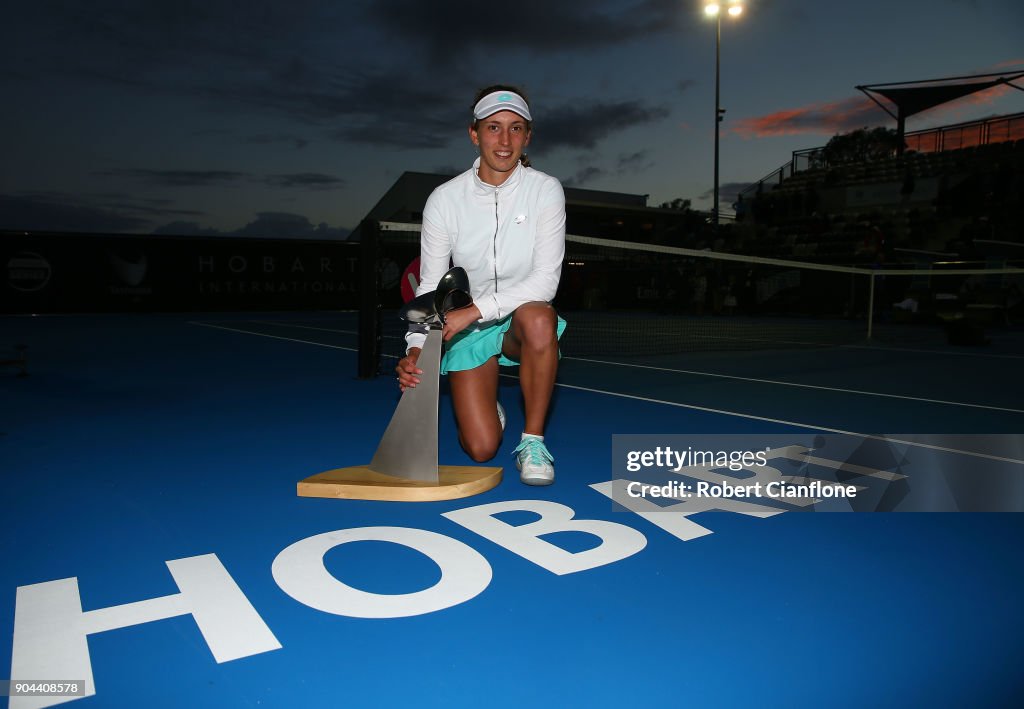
(495, 242)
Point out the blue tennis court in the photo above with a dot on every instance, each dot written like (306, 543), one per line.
(153, 537)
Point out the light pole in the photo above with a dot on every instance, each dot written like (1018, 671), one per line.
(713, 9)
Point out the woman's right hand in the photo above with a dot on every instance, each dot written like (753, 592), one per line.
(407, 370)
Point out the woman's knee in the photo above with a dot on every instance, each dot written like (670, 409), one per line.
(481, 448)
(537, 324)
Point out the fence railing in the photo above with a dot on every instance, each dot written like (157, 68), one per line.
(930, 140)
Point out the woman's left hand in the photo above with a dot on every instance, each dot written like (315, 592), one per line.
(458, 320)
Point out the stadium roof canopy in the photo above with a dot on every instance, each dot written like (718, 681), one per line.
(911, 97)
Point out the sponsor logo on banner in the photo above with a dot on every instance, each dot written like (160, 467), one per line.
(130, 269)
(240, 274)
(28, 272)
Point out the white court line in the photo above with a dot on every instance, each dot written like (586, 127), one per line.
(322, 329)
(931, 352)
(740, 339)
(879, 348)
(712, 337)
(673, 403)
(802, 386)
(799, 424)
(274, 337)
(833, 345)
(823, 345)
(304, 327)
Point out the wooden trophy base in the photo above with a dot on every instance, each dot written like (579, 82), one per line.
(360, 483)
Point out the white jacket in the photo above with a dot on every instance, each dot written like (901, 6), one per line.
(510, 239)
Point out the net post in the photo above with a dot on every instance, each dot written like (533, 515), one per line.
(871, 302)
(368, 358)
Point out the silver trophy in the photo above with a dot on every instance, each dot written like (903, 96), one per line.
(408, 448)
(405, 465)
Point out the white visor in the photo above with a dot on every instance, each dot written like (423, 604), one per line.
(501, 101)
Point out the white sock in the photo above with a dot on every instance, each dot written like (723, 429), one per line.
(531, 435)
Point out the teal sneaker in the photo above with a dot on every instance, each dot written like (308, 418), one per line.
(535, 462)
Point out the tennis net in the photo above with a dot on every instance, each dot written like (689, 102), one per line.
(634, 300)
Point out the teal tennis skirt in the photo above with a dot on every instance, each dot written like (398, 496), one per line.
(471, 348)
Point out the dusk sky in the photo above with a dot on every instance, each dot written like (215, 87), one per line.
(268, 117)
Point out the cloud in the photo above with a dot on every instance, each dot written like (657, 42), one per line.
(626, 163)
(830, 118)
(270, 139)
(142, 209)
(311, 180)
(584, 176)
(113, 214)
(284, 225)
(281, 58)
(1009, 66)
(685, 85)
(267, 225)
(121, 203)
(285, 59)
(377, 113)
(817, 118)
(400, 109)
(50, 213)
(583, 125)
(276, 224)
(465, 26)
(265, 56)
(448, 169)
(394, 132)
(634, 162)
(388, 108)
(159, 35)
(727, 192)
(177, 178)
(209, 178)
(186, 228)
(981, 98)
